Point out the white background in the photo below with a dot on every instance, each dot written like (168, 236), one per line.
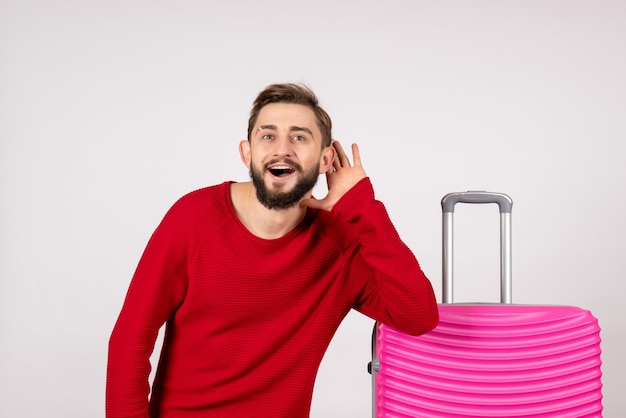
(111, 110)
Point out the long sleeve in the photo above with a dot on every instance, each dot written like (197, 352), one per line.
(157, 288)
(384, 278)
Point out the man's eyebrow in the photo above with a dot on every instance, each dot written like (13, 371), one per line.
(301, 128)
(267, 127)
(291, 129)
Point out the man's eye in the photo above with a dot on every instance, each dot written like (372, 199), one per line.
(267, 136)
(299, 138)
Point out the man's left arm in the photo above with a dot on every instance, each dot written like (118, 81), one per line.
(384, 279)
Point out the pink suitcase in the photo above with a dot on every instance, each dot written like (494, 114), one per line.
(489, 360)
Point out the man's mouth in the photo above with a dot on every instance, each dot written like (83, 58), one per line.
(280, 170)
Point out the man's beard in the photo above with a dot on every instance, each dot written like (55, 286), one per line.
(283, 200)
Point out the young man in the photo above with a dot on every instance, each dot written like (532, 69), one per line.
(252, 279)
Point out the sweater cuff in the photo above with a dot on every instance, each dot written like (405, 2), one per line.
(353, 202)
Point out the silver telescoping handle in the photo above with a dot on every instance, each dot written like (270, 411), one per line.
(505, 204)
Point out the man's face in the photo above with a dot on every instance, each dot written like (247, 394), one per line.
(284, 154)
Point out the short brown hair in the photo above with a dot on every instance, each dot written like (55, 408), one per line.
(294, 94)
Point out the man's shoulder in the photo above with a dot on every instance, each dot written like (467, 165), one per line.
(208, 199)
(212, 192)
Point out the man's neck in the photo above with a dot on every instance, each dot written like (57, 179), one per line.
(260, 221)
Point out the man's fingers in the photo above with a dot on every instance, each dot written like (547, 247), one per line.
(339, 156)
(342, 159)
(356, 155)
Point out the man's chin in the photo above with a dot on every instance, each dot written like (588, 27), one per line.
(280, 186)
(279, 199)
(283, 194)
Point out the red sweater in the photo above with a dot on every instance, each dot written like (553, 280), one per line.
(249, 319)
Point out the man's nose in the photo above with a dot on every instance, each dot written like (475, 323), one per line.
(284, 146)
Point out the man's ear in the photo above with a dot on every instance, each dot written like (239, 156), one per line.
(244, 152)
(326, 162)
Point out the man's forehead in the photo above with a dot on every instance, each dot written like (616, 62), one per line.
(281, 112)
(294, 117)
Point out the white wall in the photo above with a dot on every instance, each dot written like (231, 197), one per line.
(111, 110)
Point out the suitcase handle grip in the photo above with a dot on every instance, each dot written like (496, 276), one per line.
(451, 199)
(505, 204)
